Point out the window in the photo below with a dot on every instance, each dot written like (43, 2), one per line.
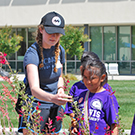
(31, 36)
(124, 43)
(96, 42)
(109, 43)
(22, 50)
(124, 67)
(124, 49)
(133, 43)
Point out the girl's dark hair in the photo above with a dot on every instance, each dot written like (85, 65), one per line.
(39, 41)
(91, 59)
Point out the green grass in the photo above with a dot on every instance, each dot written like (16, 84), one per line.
(125, 94)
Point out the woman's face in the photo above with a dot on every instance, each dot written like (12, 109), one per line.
(49, 40)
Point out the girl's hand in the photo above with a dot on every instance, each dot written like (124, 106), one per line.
(114, 129)
(61, 99)
(74, 131)
(74, 125)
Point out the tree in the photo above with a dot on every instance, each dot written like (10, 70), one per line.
(72, 42)
(9, 43)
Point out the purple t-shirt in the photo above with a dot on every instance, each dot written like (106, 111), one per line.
(102, 107)
(133, 127)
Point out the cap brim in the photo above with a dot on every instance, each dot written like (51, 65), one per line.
(51, 30)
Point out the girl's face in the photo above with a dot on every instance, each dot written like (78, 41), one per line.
(93, 83)
(49, 40)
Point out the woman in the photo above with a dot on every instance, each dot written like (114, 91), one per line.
(43, 69)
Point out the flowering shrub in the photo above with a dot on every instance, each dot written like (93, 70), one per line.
(35, 117)
(12, 95)
(5, 96)
(3, 59)
(18, 88)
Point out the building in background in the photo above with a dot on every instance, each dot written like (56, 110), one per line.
(110, 25)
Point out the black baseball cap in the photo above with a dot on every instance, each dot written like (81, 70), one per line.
(53, 23)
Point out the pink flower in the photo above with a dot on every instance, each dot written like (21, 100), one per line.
(20, 115)
(77, 119)
(108, 90)
(2, 61)
(53, 129)
(41, 118)
(82, 118)
(39, 103)
(97, 127)
(112, 132)
(64, 133)
(112, 93)
(64, 87)
(50, 121)
(5, 54)
(58, 118)
(68, 81)
(61, 113)
(37, 108)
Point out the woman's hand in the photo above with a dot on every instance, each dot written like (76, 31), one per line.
(61, 99)
(61, 90)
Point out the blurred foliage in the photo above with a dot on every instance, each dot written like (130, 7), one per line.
(73, 39)
(9, 42)
(70, 77)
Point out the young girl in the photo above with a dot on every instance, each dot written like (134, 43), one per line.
(98, 105)
(43, 70)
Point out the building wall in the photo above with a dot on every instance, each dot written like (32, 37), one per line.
(100, 17)
(24, 13)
